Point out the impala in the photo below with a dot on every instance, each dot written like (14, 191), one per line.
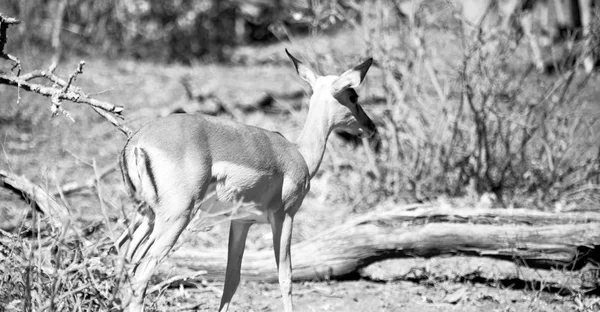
(170, 164)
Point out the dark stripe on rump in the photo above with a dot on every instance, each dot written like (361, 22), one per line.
(150, 173)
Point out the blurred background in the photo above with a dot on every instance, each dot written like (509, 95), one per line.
(478, 104)
(461, 111)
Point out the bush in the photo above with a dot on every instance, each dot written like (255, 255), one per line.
(183, 30)
(525, 137)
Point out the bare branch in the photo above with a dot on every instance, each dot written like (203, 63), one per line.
(69, 95)
(113, 120)
(74, 75)
(62, 89)
(107, 110)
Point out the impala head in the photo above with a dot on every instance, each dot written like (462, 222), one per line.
(334, 97)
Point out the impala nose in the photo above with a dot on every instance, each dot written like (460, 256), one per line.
(368, 130)
(367, 127)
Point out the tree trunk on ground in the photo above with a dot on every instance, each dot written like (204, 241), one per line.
(530, 238)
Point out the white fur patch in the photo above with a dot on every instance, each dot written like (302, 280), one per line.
(224, 199)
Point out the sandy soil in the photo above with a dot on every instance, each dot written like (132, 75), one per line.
(370, 296)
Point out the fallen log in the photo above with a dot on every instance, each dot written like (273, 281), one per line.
(39, 198)
(529, 238)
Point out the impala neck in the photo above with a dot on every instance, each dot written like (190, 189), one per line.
(313, 139)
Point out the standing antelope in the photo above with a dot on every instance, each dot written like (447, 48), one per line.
(170, 164)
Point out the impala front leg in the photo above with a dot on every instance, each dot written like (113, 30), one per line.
(238, 231)
(281, 225)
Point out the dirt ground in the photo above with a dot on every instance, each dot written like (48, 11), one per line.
(365, 295)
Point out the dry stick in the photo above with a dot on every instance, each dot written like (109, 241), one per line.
(69, 95)
(39, 250)
(106, 110)
(56, 100)
(59, 194)
(113, 120)
(177, 280)
(73, 187)
(73, 76)
(49, 74)
(44, 74)
(45, 202)
(435, 81)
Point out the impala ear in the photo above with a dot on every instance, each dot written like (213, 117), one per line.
(303, 71)
(353, 77)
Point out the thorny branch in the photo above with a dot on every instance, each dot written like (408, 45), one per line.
(60, 90)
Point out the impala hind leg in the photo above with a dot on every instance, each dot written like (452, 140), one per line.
(238, 231)
(130, 242)
(136, 233)
(281, 225)
(141, 233)
(128, 233)
(167, 228)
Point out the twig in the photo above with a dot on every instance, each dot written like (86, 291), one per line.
(74, 75)
(435, 81)
(49, 74)
(113, 120)
(73, 187)
(177, 280)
